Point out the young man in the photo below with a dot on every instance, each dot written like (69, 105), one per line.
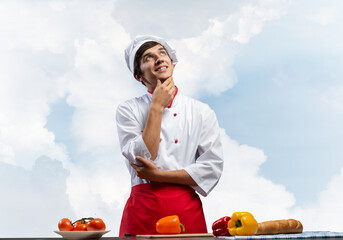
(171, 143)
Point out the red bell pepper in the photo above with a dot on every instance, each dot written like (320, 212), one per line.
(220, 228)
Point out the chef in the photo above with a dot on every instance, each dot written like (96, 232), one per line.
(171, 143)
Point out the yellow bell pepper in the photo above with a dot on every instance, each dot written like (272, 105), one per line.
(243, 224)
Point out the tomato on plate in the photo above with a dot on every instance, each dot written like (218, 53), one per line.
(96, 224)
(80, 225)
(65, 225)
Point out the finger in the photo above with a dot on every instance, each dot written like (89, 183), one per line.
(134, 166)
(171, 85)
(171, 79)
(167, 87)
(146, 163)
(158, 83)
(168, 81)
(141, 159)
(171, 89)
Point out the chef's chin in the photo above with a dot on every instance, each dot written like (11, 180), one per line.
(163, 79)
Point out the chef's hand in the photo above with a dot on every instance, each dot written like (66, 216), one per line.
(163, 93)
(148, 171)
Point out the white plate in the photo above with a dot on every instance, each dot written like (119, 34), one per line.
(81, 234)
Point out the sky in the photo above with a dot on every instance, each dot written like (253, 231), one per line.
(271, 70)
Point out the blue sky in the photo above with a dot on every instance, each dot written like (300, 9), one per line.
(271, 70)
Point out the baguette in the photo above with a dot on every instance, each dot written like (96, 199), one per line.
(279, 227)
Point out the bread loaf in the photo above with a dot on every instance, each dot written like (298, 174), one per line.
(279, 227)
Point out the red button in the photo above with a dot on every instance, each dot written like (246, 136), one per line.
(176, 141)
(175, 114)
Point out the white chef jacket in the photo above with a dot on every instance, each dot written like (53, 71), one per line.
(189, 139)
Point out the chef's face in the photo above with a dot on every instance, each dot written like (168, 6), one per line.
(155, 64)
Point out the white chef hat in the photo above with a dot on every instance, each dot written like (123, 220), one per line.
(131, 50)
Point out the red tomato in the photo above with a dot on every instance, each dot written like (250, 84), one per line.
(96, 225)
(80, 226)
(65, 225)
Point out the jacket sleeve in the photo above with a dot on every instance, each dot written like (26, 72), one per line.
(130, 134)
(208, 166)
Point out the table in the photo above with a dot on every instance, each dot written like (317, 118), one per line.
(134, 238)
(315, 235)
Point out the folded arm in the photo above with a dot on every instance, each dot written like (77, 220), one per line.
(150, 172)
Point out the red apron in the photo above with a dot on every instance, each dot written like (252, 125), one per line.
(151, 201)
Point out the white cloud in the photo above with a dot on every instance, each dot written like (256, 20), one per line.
(204, 66)
(329, 202)
(325, 213)
(325, 15)
(34, 200)
(242, 188)
(26, 90)
(206, 59)
(249, 21)
(95, 86)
